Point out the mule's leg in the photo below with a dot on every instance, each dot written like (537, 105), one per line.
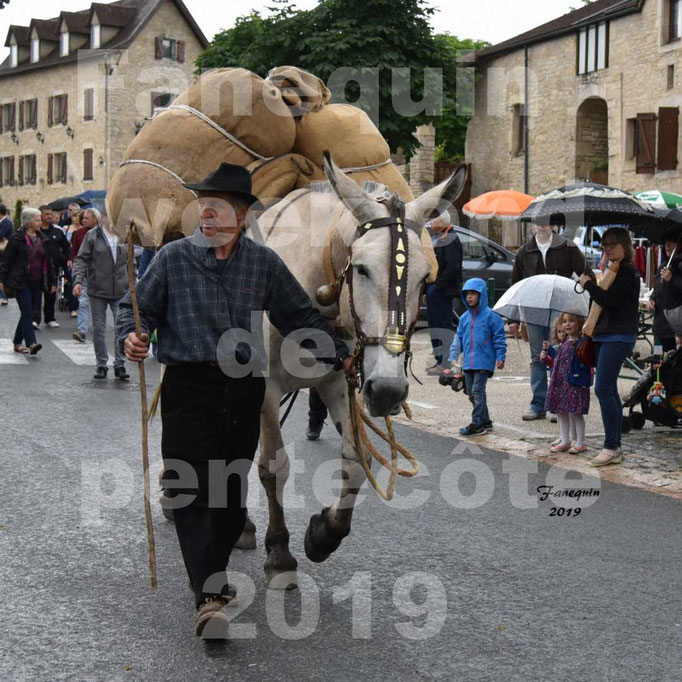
(273, 470)
(327, 529)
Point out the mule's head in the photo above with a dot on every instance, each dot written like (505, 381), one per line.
(374, 260)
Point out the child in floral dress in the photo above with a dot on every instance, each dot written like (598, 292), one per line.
(569, 388)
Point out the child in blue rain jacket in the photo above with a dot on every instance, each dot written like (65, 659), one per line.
(480, 338)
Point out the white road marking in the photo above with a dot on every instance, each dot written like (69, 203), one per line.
(510, 378)
(79, 353)
(8, 356)
(426, 406)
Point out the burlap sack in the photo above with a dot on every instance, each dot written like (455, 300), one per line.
(275, 178)
(185, 145)
(346, 131)
(245, 105)
(153, 200)
(302, 91)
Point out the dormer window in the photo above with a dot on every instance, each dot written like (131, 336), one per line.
(35, 48)
(13, 54)
(95, 34)
(63, 43)
(593, 48)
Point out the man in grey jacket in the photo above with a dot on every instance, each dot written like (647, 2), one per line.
(104, 262)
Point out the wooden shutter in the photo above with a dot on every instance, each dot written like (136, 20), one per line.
(22, 106)
(34, 113)
(50, 113)
(64, 113)
(668, 128)
(12, 116)
(10, 172)
(181, 51)
(646, 143)
(89, 104)
(49, 169)
(64, 167)
(2, 166)
(87, 164)
(20, 180)
(158, 48)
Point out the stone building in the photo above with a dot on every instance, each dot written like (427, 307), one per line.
(594, 94)
(75, 90)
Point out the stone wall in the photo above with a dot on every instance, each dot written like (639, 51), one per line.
(592, 138)
(421, 163)
(634, 82)
(123, 84)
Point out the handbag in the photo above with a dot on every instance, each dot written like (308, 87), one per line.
(585, 351)
(674, 317)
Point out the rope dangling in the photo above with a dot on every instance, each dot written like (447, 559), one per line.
(366, 449)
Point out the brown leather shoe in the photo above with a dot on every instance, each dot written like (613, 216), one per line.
(211, 621)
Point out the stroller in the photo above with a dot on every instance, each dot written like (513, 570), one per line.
(662, 407)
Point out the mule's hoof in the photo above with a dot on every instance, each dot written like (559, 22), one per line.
(246, 541)
(281, 580)
(166, 510)
(320, 540)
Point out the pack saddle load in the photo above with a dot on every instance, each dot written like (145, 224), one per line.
(278, 128)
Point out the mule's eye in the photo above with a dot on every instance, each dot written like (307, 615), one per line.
(362, 271)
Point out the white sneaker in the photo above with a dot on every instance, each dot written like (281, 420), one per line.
(52, 324)
(36, 325)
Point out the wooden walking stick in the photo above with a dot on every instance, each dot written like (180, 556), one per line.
(143, 397)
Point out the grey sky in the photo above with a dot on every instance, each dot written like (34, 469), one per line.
(492, 20)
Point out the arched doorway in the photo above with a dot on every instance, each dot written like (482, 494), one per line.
(592, 141)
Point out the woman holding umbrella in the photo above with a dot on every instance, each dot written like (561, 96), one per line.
(614, 337)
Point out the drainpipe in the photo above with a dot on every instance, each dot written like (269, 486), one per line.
(106, 119)
(526, 154)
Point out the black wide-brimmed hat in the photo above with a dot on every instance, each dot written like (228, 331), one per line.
(228, 178)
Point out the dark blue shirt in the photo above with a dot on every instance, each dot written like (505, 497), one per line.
(6, 228)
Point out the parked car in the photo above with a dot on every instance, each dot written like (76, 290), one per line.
(588, 240)
(482, 258)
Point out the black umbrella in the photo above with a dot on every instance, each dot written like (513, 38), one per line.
(589, 204)
(665, 222)
(63, 203)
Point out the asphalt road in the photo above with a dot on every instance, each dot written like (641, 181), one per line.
(477, 582)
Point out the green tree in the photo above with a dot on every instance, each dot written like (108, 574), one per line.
(380, 35)
(18, 207)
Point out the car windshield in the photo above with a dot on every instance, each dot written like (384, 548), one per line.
(472, 247)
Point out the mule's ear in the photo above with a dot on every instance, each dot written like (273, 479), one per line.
(438, 199)
(358, 202)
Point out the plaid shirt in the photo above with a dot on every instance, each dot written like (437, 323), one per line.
(191, 299)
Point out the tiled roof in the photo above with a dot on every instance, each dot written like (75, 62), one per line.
(138, 11)
(568, 23)
(21, 33)
(114, 14)
(76, 22)
(47, 29)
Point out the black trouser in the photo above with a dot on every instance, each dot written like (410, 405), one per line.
(48, 306)
(317, 410)
(211, 423)
(36, 288)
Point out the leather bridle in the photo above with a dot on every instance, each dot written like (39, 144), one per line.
(396, 339)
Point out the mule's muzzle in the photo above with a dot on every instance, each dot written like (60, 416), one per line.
(385, 395)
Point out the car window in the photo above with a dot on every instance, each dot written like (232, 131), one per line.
(471, 246)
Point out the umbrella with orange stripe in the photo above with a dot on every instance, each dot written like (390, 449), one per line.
(506, 204)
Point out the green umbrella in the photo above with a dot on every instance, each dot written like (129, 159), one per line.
(658, 199)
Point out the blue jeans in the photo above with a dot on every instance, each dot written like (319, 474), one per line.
(24, 330)
(145, 260)
(441, 323)
(83, 311)
(538, 372)
(610, 356)
(475, 382)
